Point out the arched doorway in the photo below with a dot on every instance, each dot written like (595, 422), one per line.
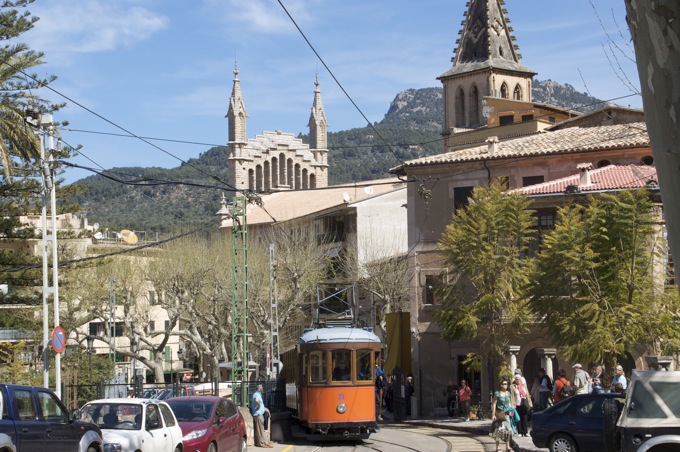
(532, 362)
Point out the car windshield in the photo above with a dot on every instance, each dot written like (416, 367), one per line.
(113, 416)
(190, 411)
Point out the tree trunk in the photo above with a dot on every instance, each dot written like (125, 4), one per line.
(655, 28)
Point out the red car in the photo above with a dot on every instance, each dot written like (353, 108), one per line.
(210, 424)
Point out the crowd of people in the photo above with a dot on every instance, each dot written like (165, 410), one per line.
(513, 402)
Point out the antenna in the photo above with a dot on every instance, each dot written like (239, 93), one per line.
(346, 197)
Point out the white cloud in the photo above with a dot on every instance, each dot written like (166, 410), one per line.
(264, 16)
(86, 26)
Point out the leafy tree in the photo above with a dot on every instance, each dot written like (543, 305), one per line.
(597, 278)
(484, 247)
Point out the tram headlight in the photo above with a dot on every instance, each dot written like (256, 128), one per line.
(342, 408)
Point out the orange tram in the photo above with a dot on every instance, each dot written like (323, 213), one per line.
(333, 396)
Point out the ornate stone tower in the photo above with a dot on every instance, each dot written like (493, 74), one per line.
(276, 161)
(238, 140)
(318, 137)
(486, 63)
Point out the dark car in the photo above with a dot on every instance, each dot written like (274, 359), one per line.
(574, 424)
(210, 423)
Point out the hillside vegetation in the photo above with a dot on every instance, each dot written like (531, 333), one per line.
(412, 127)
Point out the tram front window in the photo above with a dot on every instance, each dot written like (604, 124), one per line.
(342, 361)
(317, 360)
(364, 369)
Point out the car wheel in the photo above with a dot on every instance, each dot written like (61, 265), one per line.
(244, 445)
(611, 410)
(562, 443)
(178, 449)
(92, 448)
(212, 447)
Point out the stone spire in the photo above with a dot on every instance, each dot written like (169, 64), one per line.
(318, 126)
(237, 113)
(486, 41)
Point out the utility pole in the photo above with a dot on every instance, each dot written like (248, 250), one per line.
(44, 128)
(239, 304)
(273, 308)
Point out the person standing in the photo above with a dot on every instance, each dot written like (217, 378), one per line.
(464, 396)
(451, 391)
(582, 380)
(619, 377)
(521, 405)
(257, 409)
(501, 429)
(560, 383)
(546, 388)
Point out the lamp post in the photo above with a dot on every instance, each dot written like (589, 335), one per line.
(180, 357)
(90, 350)
(133, 349)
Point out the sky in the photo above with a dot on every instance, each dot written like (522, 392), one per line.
(163, 69)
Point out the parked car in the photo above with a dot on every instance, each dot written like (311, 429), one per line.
(170, 392)
(34, 419)
(210, 423)
(130, 425)
(574, 424)
(649, 417)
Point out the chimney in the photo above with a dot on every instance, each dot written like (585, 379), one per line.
(492, 145)
(584, 169)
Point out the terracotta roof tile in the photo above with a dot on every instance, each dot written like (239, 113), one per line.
(611, 177)
(574, 139)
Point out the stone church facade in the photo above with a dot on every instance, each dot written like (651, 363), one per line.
(276, 161)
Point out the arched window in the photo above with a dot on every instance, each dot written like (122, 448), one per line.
(312, 181)
(517, 94)
(251, 179)
(305, 179)
(504, 91)
(267, 177)
(289, 172)
(275, 172)
(258, 178)
(282, 169)
(460, 108)
(298, 181)
(474, 106)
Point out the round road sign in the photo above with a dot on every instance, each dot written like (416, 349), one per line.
(58, 339)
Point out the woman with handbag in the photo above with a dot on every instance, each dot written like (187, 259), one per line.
(501, 429)
(521, 405)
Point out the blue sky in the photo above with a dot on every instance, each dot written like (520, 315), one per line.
(164, 68)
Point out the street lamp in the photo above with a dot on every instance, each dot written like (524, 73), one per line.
(180, 357)
(133, 349)
(90, 350)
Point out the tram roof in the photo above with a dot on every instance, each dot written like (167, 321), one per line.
(338, 334)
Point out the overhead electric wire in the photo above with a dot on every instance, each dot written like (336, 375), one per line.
(338, 81)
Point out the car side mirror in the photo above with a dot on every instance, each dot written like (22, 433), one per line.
(221, 420)
(74, 415)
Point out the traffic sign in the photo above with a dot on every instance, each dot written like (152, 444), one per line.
(58, 339)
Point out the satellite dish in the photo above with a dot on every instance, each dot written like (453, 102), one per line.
(95, 227)
(128, 236)
(368, 190)
(346, 196)
(98, 235)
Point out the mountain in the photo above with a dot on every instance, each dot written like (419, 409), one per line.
(412, 127)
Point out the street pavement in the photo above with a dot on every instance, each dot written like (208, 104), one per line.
(478, 429)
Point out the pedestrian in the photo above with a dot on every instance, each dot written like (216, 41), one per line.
(451, 391)
(257, 409)
(582, 381)
(409, 391)
(545, 391)
(521, 405)
(560, 383)
(380, 386)
(464, 396)
(600, 380)
(501, 429)
(619, 377)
